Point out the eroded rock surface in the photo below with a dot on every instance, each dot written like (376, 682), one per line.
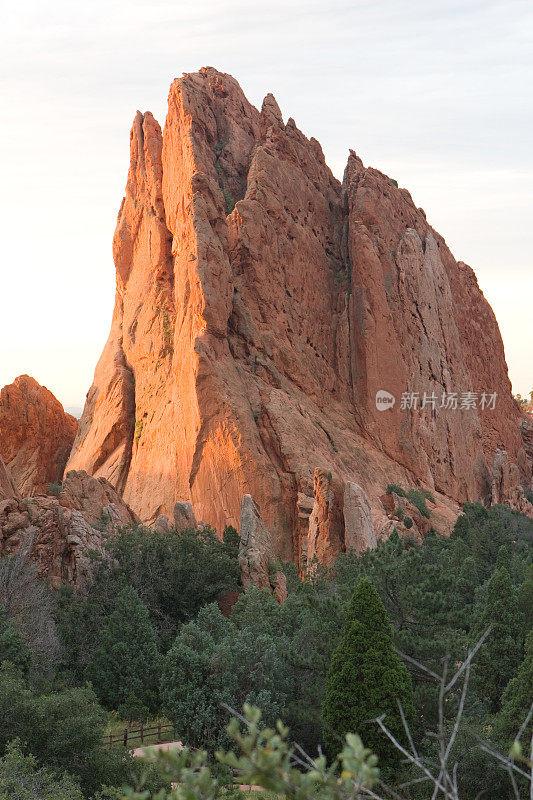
(184, 516)
(506, 486)
(257, 555)
(7, 484)
(255, 547)
(260, 306)
(359, 531)
(59, 531)
(36, 435)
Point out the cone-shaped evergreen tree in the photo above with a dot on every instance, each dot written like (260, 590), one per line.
(126, 661)
(498, 660)
(365, 680)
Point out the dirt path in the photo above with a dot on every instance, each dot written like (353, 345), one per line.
(140, 751)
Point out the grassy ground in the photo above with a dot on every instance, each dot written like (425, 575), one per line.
(116, 727)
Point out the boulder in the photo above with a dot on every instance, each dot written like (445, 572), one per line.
(184, 516)
(163, 524)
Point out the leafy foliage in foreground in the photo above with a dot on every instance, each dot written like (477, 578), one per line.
(269, 761)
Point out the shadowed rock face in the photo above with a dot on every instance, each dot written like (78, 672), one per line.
(36, 435)
(57, 531)
(260, 306)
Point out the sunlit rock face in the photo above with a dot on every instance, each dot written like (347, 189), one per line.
(36, 435)
(261, 304)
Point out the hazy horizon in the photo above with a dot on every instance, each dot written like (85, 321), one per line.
(437, 97)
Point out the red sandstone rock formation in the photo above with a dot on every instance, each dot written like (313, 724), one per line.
(36, 435)
(506, 486)
(59, 530)
(260, 306)
(7, 484)
(257, 555)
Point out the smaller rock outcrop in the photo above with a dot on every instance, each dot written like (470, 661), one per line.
(163, 524)
(359, 529)
(36, 435)
(256, 553)
(526, 429)
(506, 486)
(60, 530)
(184, 516)
(255, 548)
(326, 523)
(94, 498)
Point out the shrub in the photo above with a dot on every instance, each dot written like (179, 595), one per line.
(418, 499)
(408, 522)
(63, 730)
(393, 488)
(229, 201)
(429, 496)
(529, 495)
(133, 710)
(54, 488)
(29, 604)
(13, 648)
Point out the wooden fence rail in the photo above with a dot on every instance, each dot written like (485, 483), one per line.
(140, 734)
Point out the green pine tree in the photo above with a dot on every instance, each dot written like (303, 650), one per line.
(13, 648)
(366, 679)
(497, 661)
(516, 702)
(525, 599)
(126, 660)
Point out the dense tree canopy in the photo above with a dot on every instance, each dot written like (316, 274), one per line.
(149, 612)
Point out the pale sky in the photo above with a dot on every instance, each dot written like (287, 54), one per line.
(436, 93)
